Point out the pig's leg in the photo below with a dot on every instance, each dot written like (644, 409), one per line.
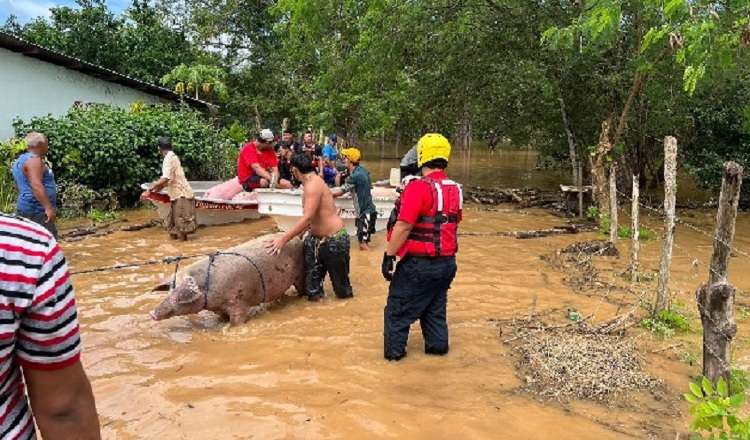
(238, 316)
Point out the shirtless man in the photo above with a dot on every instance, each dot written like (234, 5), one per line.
(326, 245)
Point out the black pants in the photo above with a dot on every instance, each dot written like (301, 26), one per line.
(40, 218)
(330, 255)
(419, 290)
(365, 223)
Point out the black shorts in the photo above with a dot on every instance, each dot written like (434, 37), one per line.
(251, 183)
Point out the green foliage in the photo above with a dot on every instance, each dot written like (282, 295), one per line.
(605, 225)
(197, 79)
(9, 151)
(716, 413)
(103, 216)
(140, 43)
(238, 134)
(667, 322)
(106, 147)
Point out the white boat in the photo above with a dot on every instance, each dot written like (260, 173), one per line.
(208, 211)
(285, 206)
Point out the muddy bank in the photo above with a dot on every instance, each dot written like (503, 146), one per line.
(315, 371)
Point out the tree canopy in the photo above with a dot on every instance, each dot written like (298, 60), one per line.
(569, 77)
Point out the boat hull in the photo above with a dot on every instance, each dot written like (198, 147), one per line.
(285, 206)
(208, 212)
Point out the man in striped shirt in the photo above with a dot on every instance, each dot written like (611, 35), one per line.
(39, 340)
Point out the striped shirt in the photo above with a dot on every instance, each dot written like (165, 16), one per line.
(38, 318)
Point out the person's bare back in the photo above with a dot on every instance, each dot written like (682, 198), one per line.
(325, 219)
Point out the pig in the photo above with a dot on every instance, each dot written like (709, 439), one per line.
(234, 283)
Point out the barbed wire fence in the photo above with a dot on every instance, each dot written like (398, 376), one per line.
(714, 298)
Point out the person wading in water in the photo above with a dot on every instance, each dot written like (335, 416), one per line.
(423, 233)
(326, 244)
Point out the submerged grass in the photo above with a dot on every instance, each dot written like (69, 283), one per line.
(582, 365)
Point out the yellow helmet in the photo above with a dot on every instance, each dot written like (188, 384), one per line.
(433, 146)
(352, 153)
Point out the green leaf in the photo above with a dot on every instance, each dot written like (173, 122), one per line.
(737, 400)
(721, 387)
(708, 389)
(696, 389)
(690, 398)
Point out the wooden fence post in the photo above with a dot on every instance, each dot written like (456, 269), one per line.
(715, 299)
(579, 184)
(636, 244)
(613, 203)
(670, 194)
(382, 144)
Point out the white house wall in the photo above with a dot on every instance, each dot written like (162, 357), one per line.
(36, 88)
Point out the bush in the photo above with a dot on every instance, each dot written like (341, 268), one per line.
(9, 152)
(106, 147)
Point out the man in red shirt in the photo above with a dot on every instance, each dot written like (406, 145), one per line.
(423, 234)
(258, 167)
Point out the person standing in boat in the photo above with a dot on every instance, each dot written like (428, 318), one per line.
(257, 165)
(326, 244)
(360, 185)
(181, 219)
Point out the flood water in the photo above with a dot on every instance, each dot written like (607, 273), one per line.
(300, 370)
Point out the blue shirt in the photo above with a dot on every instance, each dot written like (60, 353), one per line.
(27, 203)
(359, 181)
(329, 152)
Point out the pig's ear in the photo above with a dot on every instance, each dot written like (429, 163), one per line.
(187, 292)
(164, 285)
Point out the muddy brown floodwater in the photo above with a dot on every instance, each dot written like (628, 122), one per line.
(300, 370)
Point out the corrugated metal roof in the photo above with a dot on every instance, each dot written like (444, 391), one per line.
(18, 45)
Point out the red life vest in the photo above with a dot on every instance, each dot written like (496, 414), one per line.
(435, 233)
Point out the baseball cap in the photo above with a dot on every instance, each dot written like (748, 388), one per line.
(266, 135)
(333, 138)
(352, 153)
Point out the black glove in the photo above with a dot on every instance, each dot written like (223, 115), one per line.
(387, 267)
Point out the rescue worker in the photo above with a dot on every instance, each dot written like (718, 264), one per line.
(423, 234)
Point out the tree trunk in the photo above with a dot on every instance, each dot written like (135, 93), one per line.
(598, 169)
(613, 226)
(284, 124)
(571, 141)
(352, 132)
(382, 144)
(257, 120)
(670, 193)
(608, 139)
(716, 298)
(636, 244)
(398, 139)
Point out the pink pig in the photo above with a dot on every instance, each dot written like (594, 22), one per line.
(231, 282)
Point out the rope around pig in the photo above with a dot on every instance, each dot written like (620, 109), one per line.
(211, 257)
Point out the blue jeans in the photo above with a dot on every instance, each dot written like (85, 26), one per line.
(419, 290)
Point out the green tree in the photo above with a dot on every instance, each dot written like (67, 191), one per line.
(139, 43)
(700, 35)
(197, 78)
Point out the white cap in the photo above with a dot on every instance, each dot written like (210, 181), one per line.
(266, 135)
